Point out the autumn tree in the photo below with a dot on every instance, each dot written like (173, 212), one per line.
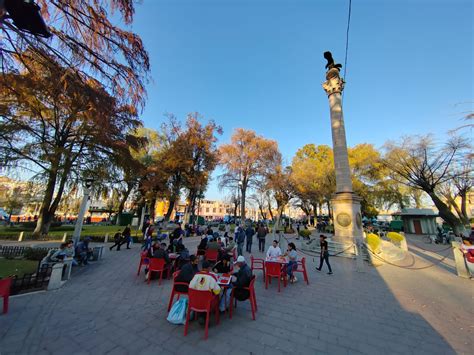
(201, 149)
(184, 161)
(419, 163)
(313, 177)
(60, 126)
(246, 159)
(87, 42)
(279, 182)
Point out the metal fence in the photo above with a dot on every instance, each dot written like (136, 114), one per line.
(31, 282)
(16, 251)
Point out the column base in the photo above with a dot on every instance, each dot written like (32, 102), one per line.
(347, 217)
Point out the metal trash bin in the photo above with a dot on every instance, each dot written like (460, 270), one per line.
(97, 253)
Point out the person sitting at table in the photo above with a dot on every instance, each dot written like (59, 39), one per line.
(242, 279)
(204, 281)
(230, 246)
(293, 261)
(187, 273)
(274, 251)
(213, 245)
(161, 253)
(202, 245)
(222, 266)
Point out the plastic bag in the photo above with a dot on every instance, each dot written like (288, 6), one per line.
(177, 313)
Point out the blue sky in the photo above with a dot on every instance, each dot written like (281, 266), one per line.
(259, 65)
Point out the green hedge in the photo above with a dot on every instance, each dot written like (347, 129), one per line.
(305, 233)
(36, 254)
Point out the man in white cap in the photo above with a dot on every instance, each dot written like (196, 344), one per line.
(242, 279)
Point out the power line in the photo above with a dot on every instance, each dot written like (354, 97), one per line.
(347, 45)
(347, 37)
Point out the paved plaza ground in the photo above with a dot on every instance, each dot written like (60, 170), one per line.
(106, 308)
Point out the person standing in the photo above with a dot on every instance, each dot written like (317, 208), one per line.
(240, 239)
(261, 234)
(249, 232)
(127, 236)
(324, 254)
(117, 240)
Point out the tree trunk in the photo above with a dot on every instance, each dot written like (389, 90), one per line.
(44, 218)
(262, 211)
(170, 208)
(465, 217)
(270, 210)
(242, 204)
(328, 203)
(152, 209)
(446, 214)
(122, 203)
(236, 206)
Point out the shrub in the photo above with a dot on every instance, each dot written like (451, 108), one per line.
(395, 237)
(289, 230)
(373, 241)
(305, 233)
(35, 253)
(222, 227)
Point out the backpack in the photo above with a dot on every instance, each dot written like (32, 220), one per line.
(241, 236)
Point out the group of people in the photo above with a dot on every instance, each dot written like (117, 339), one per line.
(80, 254)
(205, 279)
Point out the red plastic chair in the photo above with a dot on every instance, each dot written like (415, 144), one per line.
(212, 255)
(257, 264)
(274, 270)
(157, 265)
(234, 253)
(174, 292)
(202, 301)
(144, 260)
(252, 298)
(5, 285)
(201, 252)
(301, 267)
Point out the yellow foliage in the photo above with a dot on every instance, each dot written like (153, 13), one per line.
(395, 237)
(373, 241)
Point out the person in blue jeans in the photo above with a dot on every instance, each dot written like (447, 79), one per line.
(292, 263)
(324, 254)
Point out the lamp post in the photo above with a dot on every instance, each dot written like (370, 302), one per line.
(82, 211)
(240, 202)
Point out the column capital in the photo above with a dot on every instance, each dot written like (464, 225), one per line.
(334, 83)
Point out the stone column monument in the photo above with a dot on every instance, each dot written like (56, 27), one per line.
(345, 204)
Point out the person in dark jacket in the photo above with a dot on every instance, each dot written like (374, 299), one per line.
(261, 234)
(222, 266)
(117, 241)
(249, 232)
(187, 273)
(161, 253)
(202, 246)
(127, 236)
(240, 239)
(242, 279)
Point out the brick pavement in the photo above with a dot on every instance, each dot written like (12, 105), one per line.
(106, 308)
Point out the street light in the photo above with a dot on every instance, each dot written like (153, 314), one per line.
(82, 211)
(239, 200)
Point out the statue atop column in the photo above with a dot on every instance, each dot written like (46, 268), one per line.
(331, 64)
